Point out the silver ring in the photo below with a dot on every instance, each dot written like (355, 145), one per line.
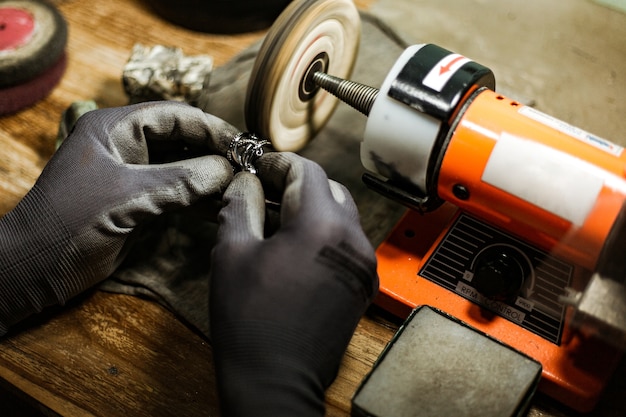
(244, 150)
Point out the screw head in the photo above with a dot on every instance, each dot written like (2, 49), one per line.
(461, 192)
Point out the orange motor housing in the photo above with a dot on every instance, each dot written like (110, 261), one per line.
(539, 178)
(512, 209)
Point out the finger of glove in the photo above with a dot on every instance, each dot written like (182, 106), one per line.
(204, 176)
(243, 215)
(342, 196)
(305, 190)
(126, 130)
(166, 187)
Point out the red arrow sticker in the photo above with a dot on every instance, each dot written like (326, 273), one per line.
(439, 75)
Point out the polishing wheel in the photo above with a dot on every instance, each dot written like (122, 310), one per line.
(33, 35)
(283, 103)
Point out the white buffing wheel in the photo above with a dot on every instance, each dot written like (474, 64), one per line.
(283, 103)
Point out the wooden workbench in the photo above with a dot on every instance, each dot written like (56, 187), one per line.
(106, 354)
(115, 355)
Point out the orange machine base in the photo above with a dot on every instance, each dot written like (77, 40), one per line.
(576, 369)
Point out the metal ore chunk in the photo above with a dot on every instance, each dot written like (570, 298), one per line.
(165, 73)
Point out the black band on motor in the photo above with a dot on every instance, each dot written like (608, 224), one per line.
(410, 88)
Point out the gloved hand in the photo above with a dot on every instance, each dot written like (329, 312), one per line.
(284, 307)
(69, 231)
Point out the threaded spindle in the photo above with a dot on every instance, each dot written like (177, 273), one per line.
(359, 96)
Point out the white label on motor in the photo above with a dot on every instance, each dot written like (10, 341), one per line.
(439, 75)
(572, 131)
(548, 178)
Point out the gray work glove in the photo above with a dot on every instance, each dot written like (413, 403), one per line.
(70, 230)
(284, 307)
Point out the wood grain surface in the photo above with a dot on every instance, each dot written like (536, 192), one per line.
(115, 355)
(106, 354)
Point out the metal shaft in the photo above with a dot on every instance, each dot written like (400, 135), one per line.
(359, 96)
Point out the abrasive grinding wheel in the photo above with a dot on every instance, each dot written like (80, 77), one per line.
(33, 35)
(283, 104)
(20, 96)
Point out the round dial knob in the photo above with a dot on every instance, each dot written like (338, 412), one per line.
(500, 272)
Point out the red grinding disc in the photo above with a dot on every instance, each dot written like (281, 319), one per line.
(17, 26)
(33, 35)
(26, 94)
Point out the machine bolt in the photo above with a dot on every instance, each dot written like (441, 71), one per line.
(461, 192)
(359, 96)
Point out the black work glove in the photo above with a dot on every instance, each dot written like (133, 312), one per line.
(69, 231)
(284, 307)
